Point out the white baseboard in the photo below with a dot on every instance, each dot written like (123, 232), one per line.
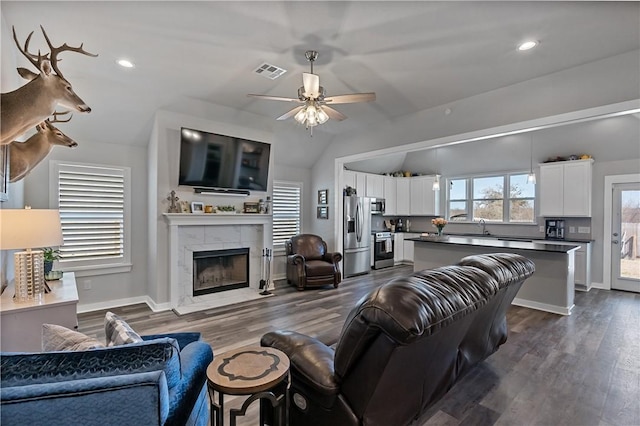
(554, 309)
(278, 277)
(99, 306)
(601, 286)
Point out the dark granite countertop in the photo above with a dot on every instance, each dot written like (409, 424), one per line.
(494, 242)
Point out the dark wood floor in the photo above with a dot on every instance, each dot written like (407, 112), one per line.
(582, 369)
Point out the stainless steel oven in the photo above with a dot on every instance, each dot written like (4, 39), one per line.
(382, 250)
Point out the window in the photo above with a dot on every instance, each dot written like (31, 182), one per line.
(94, 210)
(501, 198)
(287, 211)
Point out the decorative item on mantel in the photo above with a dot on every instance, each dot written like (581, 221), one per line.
(174, 207)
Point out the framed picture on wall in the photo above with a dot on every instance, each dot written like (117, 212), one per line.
(323, 212)
(323, 196)
(4, 173)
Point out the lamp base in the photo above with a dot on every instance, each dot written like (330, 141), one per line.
(29, 275)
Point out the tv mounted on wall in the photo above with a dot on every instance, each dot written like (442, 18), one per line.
(214, 161)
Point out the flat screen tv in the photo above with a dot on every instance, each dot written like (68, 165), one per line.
(211, 160)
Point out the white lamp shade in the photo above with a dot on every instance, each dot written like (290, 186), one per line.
(29, 228)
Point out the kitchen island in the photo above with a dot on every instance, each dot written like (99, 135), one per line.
(550, 289)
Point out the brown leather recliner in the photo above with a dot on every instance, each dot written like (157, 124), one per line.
(404, 345)
(309, 264)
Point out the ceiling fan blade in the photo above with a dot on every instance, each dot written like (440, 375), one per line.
(311, 83)
(333, 114)
(291, 113)
(351, 98)
(274, 98)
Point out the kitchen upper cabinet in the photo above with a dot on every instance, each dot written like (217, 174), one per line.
(565, 188)
(375, 185)
(390, 191)
(348, 179)
(355, 180)
(424, 200)
(403, 196)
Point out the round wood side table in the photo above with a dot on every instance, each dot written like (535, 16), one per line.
(262, 373)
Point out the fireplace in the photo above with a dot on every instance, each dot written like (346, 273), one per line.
(220, 270)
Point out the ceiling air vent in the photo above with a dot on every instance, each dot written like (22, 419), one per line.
(269, 71)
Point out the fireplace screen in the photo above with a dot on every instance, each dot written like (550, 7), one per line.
(220, 270)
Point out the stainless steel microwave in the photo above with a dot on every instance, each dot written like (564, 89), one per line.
(377, 206)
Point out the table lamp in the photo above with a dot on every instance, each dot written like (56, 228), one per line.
(27, 229)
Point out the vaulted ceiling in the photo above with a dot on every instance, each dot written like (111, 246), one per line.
(414, 55)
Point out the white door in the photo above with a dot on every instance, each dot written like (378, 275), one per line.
(625, 247)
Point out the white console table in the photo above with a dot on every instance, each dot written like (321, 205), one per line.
(21, 323)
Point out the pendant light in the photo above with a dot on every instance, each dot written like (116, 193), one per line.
(531, 178)
(436, 183)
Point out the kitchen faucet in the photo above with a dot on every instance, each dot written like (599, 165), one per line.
(484, 227)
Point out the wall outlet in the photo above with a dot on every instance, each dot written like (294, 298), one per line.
(572, 229)
(541, 228)
(584, 229)
(87, 284)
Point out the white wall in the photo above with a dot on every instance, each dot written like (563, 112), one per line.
(605, 82)
(111, 289)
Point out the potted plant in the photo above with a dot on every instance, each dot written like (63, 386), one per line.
(50, 255)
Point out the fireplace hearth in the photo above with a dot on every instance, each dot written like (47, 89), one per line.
(220, 270)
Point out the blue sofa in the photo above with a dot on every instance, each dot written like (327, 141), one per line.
(160, 381)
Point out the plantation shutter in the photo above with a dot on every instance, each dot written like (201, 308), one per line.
(286, 211)
(91, 202)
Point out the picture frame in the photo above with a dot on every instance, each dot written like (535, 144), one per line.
(323, 212)
(197, 207)
(4, 173)
(185, 207)
(323, 196)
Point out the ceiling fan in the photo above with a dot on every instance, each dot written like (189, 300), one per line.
(314, 109)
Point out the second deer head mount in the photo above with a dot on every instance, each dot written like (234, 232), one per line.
(32, 103)
(24, 156)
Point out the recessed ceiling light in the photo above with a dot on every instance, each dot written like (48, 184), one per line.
(528, 45)
(125, 63)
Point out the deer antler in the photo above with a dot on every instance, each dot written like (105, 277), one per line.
(34, 59)
(56, 50)
(57, 120)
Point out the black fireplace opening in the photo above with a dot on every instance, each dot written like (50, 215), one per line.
(220, 270)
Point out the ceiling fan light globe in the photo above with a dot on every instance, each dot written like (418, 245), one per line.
(301, 116)
(322, 116)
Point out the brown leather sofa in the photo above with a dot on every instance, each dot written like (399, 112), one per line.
(309, 264)
(404, 345)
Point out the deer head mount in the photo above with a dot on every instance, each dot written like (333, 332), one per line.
(24, 156)
(35, 101)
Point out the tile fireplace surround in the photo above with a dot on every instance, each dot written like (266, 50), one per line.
(190, 233)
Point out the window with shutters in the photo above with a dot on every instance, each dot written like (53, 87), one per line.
(287, 211)
(94, 205)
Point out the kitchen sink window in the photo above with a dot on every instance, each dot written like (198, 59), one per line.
(506, 198)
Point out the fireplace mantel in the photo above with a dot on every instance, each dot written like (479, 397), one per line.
(217, 230)
(185, 219)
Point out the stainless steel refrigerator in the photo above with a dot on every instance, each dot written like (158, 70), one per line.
(357, 235)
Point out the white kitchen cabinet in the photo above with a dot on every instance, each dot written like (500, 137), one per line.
(348, 179)
(582, 276)
(390, 191)
(355, 180)
(403, 196)
(375, 185)
(398, 246)
(424, 200)
(407, 246)
(565, 188)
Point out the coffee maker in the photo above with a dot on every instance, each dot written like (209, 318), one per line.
(554, 229)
